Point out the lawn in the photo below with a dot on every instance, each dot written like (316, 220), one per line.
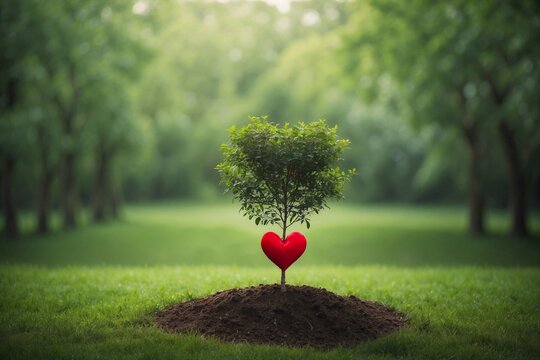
(91, 293)
(192, 234)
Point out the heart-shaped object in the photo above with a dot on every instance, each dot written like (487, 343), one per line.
(283, 253)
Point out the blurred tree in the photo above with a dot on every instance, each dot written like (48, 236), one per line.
(87, 44)
(416, 47)
(506, 46)
(454, 62)
(46, 137)
(10, 142)
(112, 130)
(68, 64)
(16, 17)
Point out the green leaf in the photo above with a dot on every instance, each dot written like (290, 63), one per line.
(282, 173)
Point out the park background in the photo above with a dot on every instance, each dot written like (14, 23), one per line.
(112, 116)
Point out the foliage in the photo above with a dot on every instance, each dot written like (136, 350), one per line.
(204, 79)
(465, 67)
(283, 174)
(443, 58)
(155, 94)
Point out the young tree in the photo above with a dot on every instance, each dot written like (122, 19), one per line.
(283, 174)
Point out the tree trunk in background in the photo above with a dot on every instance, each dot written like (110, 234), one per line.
(69, 191)
(44, 187)
(114, 200)
(11, 225)
(67, 112)
(476, 192)
(517, 183)
(100, 184)
(43, 206)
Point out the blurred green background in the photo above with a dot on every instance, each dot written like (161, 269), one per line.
(112, 113)
(196, 234)
(112, 102)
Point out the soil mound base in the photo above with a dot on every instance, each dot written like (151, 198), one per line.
(302, 316)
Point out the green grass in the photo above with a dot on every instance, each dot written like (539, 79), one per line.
(218, 235)
(91, 313)
(91, 293)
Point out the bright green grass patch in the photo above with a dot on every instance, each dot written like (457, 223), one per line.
(91, 313)
(95, 311)
(195, 234)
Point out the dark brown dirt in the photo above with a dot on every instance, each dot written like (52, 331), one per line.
(302, 316)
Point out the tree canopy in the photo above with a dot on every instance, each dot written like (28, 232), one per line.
(283, 174)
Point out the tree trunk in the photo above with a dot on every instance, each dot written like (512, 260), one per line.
(67, 114)
(517, 183)
(11, 225)
(114, 201)
(100, 184)
(476, 193)
(69, 181)
(69, 189)
(283, 288)
(44, 187)
(43, 205)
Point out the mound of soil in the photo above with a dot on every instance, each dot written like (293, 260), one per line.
(302, 316)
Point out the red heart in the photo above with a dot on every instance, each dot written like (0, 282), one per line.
(283, 253)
